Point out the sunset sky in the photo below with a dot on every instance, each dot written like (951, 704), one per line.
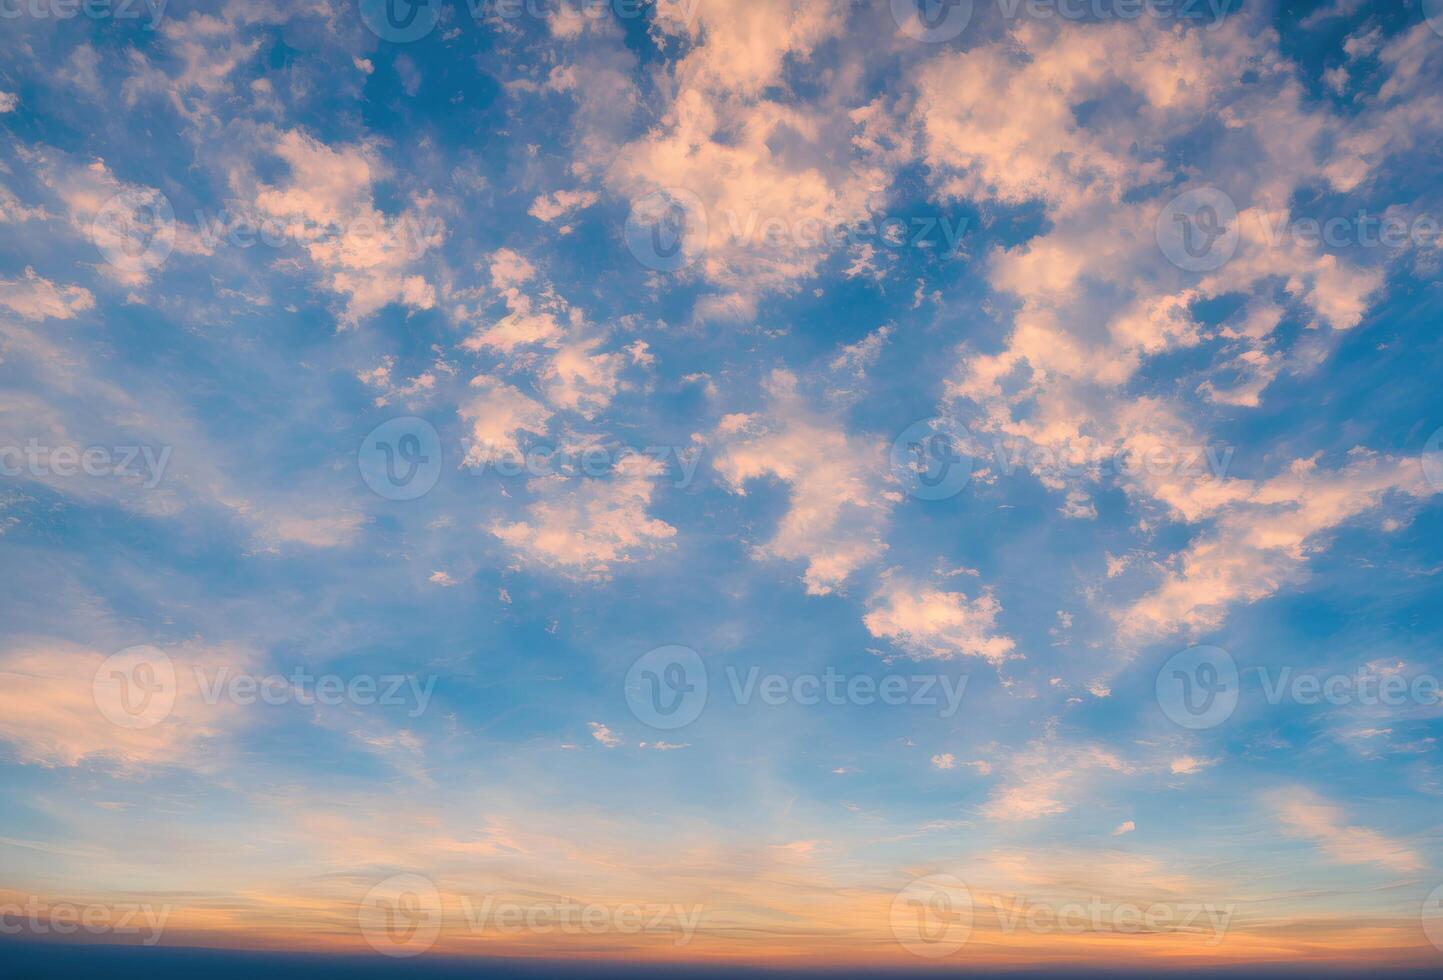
(887, 483)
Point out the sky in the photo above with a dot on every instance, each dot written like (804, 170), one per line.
(909, 484)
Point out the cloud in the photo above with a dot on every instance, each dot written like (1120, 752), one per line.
(548, 208)
(325, 202)
(1306, 815)
(1261, 541)
(497, 413)
(36, 298)
(840, 498)
(927, 623)
(584, 528)
(604, 735)
(49, 713)
(1126, 827)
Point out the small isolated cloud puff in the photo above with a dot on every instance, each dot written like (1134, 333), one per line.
(927, 623)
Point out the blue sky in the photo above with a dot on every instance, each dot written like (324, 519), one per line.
(879, 232)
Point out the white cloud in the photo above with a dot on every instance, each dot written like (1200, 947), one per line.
(585, 528)
(927, 623)
(840, 499)
(1304, 814)
(37, 298)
